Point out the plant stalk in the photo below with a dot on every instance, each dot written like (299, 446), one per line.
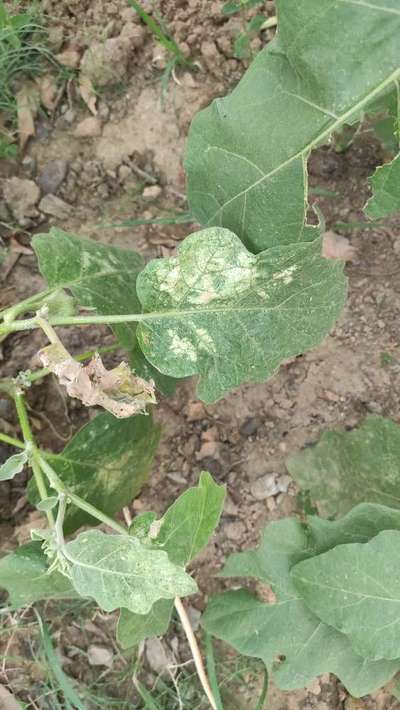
(11, 441)
(29, 440)
(198, 661)
(61, 488)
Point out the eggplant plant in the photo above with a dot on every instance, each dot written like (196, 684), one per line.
(243, 294)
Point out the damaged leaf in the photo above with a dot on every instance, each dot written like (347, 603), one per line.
(28, 100)
(118, 391)
(88, 93)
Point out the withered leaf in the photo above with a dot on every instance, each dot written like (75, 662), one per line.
(88, 93)
(119, 390)
(27, 107)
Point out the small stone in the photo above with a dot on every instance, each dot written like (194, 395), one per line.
(29, 165)
(88, 128)
(107, 62)
(212, 466)
(235, 531)
(135, 33)
(52, 176)
(265, 487)
(249, 427)
(21, 197)
(69, 116)
(69, 58)
(100, 656)
(124, 173)
(54, 206)
(103, 111)
(156, 655)
(152, 192)
(195, 411)
(209, 449)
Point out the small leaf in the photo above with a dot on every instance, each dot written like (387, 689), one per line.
(348, 467)
(24, 573)
(13, 465)
(60, 304)
(189, 523)
(47, 503)
(88, 93)
(232, 317)
(118, 571)
(134, 628)
(98, 275)
(356, 589)
(385, 184)
(141, 525)
(118, 391)
(105, 463)
(182, 532)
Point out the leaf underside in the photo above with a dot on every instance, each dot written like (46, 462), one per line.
(105, 463)
(288, 628)
(118, 571)
(250, 148)
(348, 467)
(219, 311)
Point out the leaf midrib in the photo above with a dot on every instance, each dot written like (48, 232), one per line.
(317, 139)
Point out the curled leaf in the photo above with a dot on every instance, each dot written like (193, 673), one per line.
(88, 93)
(27, 107)
(118, 391)
(13, 465)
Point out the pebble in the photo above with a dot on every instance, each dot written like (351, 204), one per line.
(21, 197)
(249, 427)
(269, 485)
(124, 173)
(52, 176)
(88, 128)
(54, 206)
(152, 192)
(29, 165)
(156, 655)
(235, 531)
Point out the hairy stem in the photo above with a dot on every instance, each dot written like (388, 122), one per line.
(29, 440)
(61, 488)
(28, 304)
(198, 661)
(11, 441)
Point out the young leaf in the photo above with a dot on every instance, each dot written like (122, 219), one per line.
(134, 628)
(356, 589)
(13, 465)
(232, 317)
(189, 523)
(24, 573)
(248, 149)
(386, 190)
(106, 463)
(183, 531)
(287, 627)
(346, 468)
(99, 276)
(118, 571)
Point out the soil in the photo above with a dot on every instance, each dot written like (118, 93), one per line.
(247, 435)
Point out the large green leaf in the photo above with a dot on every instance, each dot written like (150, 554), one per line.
(287, 627)
(386, 190)
(189, 523)
(218, 311)
(99, 276)
(348, 467)
(134, 628)
(106, 463)
(119, 571)
(356, 589)
(24, 573)
(182, 532)
(246, 155)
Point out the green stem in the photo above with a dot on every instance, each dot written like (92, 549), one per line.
(13, 442)
(60, 487)
(212, 673)
(29, 304)
(264, 691)
(31, 323)
(28, 439)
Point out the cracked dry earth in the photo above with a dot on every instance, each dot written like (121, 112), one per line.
(127, 164)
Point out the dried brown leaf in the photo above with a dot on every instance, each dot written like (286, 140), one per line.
(28, 100)
(48, 91)
(69, 58)
(88, 93)
(334, 246)
(118, 391)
